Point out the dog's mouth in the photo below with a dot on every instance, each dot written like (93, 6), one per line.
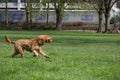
(48, 41)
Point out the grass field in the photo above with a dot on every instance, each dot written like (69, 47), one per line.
(74, 56)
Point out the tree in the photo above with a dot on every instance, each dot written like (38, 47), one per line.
(98, 6)
(44, 2)
(59, 9)
(28, 9)
(103, 6)
(108, 4)
(6, 13)
(47, 13)
(28, 13)
(59, 6)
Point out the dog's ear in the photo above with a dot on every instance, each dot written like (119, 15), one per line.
(40, 41)
(45, 38)
(42, 37)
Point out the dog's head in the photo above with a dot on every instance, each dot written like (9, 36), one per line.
(45, 38)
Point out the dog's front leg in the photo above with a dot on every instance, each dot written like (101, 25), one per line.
(35, 53)
(42, 53)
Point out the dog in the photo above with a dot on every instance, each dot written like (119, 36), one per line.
(32, 45)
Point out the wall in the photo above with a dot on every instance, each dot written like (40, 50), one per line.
(69, 16)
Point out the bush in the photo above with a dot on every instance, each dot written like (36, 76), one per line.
(25, 26)
(73, 24)
(42, 26)
(115, 19)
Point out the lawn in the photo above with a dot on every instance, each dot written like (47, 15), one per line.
(73, 56)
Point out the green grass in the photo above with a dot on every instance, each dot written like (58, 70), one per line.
(74, 56)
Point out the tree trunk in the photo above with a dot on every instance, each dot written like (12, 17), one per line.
(58, 21)
(6, 13)
(28, 14)
(100, 22)
(31, 13)
(107, 22)
(59, 15)
(28, 17)
(47, 14)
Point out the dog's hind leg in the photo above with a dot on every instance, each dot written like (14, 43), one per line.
(20, 51)
(14, 54)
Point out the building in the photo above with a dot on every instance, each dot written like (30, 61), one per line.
(16, 13)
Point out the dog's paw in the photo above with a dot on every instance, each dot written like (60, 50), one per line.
(47, 56)
(34, 55)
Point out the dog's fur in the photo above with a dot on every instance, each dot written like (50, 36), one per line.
(32, 45)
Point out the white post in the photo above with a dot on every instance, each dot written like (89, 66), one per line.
(19, 4)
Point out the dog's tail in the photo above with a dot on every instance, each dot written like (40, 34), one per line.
(8, 41)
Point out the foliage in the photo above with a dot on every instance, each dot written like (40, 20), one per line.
(115, 19)
(59, 7)
(24, 26)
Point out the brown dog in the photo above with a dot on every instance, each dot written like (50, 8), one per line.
(32, 45)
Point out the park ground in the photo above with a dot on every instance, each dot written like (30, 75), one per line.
(73, 55)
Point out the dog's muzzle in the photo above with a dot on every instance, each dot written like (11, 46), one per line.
(50, 40)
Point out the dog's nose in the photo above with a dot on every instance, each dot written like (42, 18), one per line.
(50, 40)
